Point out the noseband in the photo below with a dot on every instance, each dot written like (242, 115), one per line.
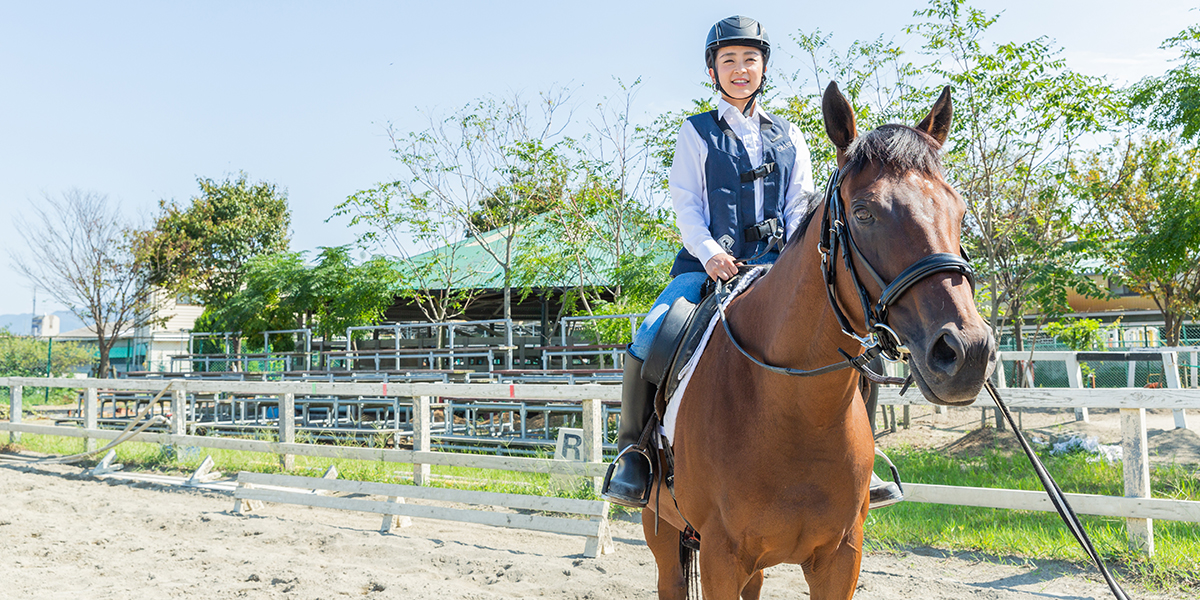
(835, 235)
(880, 338)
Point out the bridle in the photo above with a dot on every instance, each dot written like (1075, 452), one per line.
(835, 235)
(880, 338)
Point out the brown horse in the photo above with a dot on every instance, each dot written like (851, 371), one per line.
(774, 469)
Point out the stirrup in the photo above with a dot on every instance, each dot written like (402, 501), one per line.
(622, 499)
(885, 493)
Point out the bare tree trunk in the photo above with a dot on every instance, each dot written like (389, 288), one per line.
(105, 349)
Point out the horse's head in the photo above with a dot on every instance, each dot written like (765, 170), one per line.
(904, 223)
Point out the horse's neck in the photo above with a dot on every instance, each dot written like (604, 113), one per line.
(785, 320)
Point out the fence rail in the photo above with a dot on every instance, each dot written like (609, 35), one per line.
(1137, 506)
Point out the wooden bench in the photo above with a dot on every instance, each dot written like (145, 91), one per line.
(292, 489)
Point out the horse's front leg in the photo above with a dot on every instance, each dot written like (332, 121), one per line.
(832, 574)
(723, 576)
(665, 547)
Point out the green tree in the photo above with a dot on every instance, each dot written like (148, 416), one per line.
(25, 357)
(431, 271)
(201, 248)
(660, 136)
(1171, 102)
(1080, 335)
(1019, 114)
(1147, 196)
(282, 292)
(602, 241)
(877, 77)
(481, 171)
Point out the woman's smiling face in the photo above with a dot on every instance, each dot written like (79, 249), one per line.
(739, 69)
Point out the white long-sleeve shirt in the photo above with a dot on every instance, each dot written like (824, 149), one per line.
(689, 192)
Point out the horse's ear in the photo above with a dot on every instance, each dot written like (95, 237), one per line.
(839, 118)
(937, 122)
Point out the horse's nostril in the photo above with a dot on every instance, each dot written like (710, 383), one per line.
(943, 356)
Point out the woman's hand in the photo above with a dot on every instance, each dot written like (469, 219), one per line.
(721, 266)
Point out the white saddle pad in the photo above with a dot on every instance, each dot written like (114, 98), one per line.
(667, 428)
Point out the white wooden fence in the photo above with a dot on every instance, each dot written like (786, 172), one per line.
(1136, 506)
(291, 489)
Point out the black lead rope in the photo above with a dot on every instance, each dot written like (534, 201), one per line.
(1057, 498)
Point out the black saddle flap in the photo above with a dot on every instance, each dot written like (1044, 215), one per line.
(693, 332)
(662, 348)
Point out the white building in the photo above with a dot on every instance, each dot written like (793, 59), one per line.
(45, 326)
(156, 344)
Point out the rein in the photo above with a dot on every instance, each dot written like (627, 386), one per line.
(880, 338)
(836, 235)
(1057, 498)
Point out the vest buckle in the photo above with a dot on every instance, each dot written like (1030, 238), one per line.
(759, 173)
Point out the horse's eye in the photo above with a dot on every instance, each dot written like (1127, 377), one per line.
(862, 214)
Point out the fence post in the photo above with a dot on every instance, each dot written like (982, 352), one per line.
(1195, 369)
(593, 436)
(422, 441)
(89, 416)
(1170, 362)
(287, 428)
(1075, 380)
(14, 411)
(1136, 465)
(178, 409)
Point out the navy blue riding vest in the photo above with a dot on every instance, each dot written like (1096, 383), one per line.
(729, 180)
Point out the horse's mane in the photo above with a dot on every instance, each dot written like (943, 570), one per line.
(897, 148)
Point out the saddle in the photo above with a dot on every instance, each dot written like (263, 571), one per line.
(678, 337)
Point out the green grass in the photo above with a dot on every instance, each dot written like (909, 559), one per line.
(1011, 534)
(1000, 535)
(184, 460)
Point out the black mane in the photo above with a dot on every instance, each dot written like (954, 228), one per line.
(897, 148)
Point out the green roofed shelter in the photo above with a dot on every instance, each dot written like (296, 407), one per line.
(475, 269)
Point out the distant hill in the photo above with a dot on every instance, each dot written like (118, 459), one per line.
(19, 324)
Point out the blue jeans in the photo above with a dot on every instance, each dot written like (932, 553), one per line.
(685, 285)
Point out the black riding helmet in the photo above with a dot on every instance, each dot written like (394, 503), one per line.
(738, 31)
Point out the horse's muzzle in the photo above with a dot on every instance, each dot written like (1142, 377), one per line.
(951, 369)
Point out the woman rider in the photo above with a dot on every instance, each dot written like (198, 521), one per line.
(741, 180)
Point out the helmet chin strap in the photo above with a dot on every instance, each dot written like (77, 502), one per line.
(749, 99)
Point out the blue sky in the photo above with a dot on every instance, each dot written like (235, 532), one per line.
(138, 99)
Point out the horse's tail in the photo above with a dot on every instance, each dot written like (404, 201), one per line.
(690, 562)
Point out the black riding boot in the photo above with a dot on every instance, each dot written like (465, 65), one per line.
(628, 481)
(883, 493)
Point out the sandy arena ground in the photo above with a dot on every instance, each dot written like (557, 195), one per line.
(63, 535)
